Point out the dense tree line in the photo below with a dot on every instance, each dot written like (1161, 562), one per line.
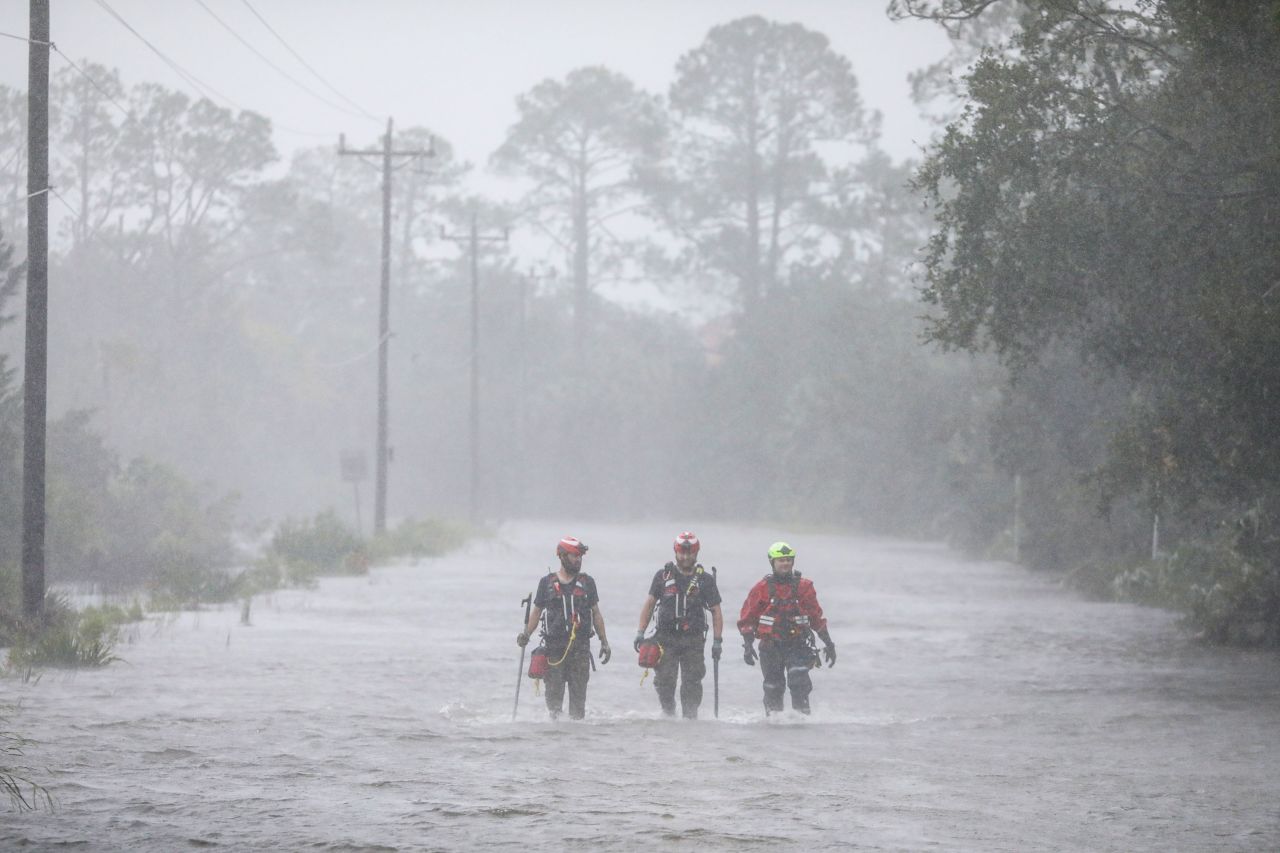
(1107, 208)
(214, 314)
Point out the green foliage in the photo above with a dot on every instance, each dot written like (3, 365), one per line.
(418, 538)
(748, 183)
(23, 793)
(264, 575)
(10, 420)
(183, 582)
(1225, 595)
(307, 548)
(154, 528)
(62, 637)
(10, 603)
(301, 551)
(1106, 214)
(583, 141)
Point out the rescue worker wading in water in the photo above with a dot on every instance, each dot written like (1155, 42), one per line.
(568, 600)
(782, 611)
(683, 592)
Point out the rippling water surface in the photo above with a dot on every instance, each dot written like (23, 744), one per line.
(974, 707)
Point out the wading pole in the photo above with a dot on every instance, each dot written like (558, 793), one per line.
(715, 666)
(527, 601)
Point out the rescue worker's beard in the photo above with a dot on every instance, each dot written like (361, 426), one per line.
(571, 568)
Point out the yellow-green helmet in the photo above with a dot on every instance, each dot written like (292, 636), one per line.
(781, 549)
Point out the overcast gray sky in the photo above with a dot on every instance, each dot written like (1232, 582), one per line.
(453, 66)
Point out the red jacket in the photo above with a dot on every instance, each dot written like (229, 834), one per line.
(802, 602)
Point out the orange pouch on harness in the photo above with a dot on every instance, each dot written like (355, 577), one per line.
(538, 663)
(650, 654)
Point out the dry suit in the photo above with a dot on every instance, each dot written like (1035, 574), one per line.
(782, 613)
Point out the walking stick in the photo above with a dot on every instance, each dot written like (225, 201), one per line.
(527, 601)
(715, 666)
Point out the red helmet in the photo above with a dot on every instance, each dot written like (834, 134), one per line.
(569, 545)
(687, 543)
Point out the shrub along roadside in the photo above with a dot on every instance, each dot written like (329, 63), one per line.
(1223, 585)
(61, 636)
(299, 553)
(303, 550)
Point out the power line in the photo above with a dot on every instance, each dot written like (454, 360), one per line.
(65, 203)
(25, 197)
(203, 88)
(307, 65)
(358, 357)
(89, 77)
(72, 63)
(285, 74)
(187, 76)
(24, 38)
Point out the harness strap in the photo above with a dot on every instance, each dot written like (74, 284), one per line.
(573, 635)
(681, 603)
(795, 621)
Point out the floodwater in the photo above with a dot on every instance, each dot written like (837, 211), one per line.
(974, 706)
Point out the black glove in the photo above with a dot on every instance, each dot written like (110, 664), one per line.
(716, 645)
(605, 654)
(829, 647)
(639, 640)
(522, 639)
(748, 652)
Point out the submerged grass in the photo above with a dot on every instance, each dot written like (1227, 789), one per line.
(63, 637)
(298, 555)
(23, 793)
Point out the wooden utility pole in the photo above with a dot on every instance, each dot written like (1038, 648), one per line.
(35, 367)
(382, 453)
(475, 239)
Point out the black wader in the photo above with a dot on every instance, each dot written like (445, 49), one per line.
(680, 654)
(786, 664)
(574, 671)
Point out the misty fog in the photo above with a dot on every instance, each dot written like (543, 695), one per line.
(354, 310)
(215, 294)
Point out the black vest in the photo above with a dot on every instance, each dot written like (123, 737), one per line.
(568, 607)
(682, 607)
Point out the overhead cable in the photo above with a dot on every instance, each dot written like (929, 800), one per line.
(285, 74)
(86, 75)
(27, 40)
(358, 356)
(203, 88)
(307, 65)
(25, 197)
(65, 203)
(53, 47)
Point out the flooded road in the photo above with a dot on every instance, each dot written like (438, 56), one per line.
(974, 707)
